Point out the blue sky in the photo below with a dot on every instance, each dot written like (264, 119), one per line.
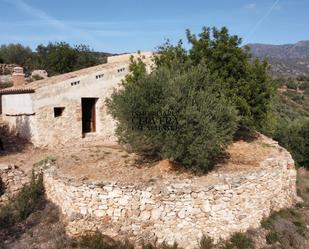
(130, 25)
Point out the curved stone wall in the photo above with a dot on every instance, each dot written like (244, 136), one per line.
(177, 210)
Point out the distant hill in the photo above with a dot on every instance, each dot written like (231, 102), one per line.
(288, 59)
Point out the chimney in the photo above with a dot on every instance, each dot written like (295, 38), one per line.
(18, 77)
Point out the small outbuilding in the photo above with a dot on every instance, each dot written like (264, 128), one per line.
(66, 107)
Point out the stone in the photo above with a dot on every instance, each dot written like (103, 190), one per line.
(117, 212)
(123, 201)
(42, 74)
(83, 210)
(4, 166)
(156, 213)
(145, 215)
(181, 214)
(221, 187)
(115, 193)
(206, 206)
(99, 213)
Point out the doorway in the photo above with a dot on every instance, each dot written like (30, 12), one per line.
(88, 115)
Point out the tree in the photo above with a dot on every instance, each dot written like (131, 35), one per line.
(15, 54)
(177, 112)
(60, 57)
(294, 136)
(85, 57)
(246, 81)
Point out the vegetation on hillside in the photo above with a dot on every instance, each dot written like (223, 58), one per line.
(290, 124)
(288, 59)
(55, 58)
(205, 93)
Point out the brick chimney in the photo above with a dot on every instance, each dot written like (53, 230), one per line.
(18, 77)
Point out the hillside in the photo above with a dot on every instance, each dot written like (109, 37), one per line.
(288, 59)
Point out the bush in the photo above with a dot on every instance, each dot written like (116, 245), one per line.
(239, 241)
(61, 57)
(272, 237)
(23, 204)
(15, 54)
(99, 241)
(206, 243)
(294, 136)
(176, 113)
(304, 86)
(245, 81)
(292, 85)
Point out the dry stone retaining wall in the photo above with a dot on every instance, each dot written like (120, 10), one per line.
(176, 210)
(12, 180)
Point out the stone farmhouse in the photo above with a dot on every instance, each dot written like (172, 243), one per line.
(66, 107)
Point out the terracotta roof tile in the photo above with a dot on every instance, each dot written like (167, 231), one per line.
(16, 90)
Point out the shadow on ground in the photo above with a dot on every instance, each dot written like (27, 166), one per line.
(10, 142)
(42, 229)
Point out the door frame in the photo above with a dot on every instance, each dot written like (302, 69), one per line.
(92, 118)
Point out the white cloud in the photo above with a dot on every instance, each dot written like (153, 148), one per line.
(251, 6)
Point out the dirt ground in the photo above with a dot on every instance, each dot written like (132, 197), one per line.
(93, 161)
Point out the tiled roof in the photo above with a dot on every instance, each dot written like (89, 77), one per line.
(16, 90)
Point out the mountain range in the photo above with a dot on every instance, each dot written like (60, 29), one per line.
(287, 59)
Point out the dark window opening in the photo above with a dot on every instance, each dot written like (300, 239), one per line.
(121, 70)
(99, 76)
(58, 111)
(88, 115)
(75, 83)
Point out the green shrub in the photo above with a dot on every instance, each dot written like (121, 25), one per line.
(206, 243)
(161, 246)
(23, 204)
(298, 98)
(246, 82)
(272, 237)
(292, 85)
(178, 113)
(99, 241)
(239, 241)
(304, 86)
(294, 136)
(48, 159)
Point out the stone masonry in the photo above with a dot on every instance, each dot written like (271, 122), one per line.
(12, 179)
(174, 210)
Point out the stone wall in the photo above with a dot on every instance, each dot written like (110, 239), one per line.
(177, 210)
(50, 130)
(12, 180)
(32, 115)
